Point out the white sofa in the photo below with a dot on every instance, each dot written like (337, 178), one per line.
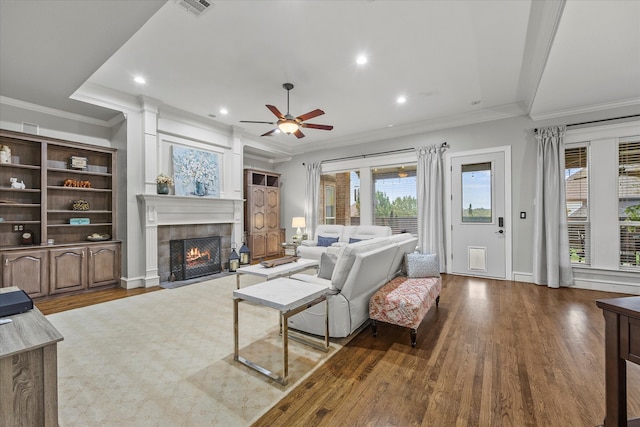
(310, 249)
(360, 270)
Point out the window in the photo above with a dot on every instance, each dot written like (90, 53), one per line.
(576, 175)
(340, 203)
(329, 204)
(602, 183)
(629, 202)
(395, 203)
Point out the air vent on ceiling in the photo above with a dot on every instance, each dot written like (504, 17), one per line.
(194, 6)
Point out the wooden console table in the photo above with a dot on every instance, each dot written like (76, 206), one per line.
(622, 343)
(28, 370)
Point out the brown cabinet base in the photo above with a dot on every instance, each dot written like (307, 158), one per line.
(62, 269)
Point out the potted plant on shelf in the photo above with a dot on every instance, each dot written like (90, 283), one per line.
(163, 182)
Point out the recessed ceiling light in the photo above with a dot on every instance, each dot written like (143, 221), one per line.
(401, 100)
(139, 80)
(361, 60)
(224, 111)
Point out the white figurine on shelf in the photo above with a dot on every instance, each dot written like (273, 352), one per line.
(16, 184)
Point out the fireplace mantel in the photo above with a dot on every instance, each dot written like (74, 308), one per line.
(159, 210)
(178, 210)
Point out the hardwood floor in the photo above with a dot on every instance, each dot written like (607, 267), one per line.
(68, 302)
(494, 353)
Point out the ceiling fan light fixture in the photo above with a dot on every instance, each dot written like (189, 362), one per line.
(288, 126)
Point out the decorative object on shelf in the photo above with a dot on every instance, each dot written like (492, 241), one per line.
(234, 259)
(298, 222)
(77, 162)
(162, 183)
(50, 242)
(245, 254)
(74, 183)
(97, 237)
(15, 184)
(26, 238)
(80, 205)
(5, 154)
(79, 221)
(196, 172)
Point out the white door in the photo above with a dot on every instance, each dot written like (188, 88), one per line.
(479, 229)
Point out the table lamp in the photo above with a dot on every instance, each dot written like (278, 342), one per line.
(297, 222)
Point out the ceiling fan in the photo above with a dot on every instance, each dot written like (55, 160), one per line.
(287, 123)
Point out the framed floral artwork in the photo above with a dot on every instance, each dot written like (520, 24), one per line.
(196, 172)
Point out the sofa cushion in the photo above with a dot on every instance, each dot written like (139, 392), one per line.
(326, 241)
(352, 240)
(347, 256)
(327, 264)
(422, 265)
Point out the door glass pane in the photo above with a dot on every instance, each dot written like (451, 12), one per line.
(476, 193)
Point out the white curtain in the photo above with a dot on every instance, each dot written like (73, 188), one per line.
(551, 259)
(312, 197)
(430, 181)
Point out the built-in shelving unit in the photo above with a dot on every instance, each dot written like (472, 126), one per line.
(69, 195)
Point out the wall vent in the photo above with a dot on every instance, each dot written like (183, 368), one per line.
(31, 128)
(195, 6)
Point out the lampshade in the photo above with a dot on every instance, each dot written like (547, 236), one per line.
(288, 126)
(298, 221)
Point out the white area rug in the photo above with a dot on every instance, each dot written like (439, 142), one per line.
(165, 358)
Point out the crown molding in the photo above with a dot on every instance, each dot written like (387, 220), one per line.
(587, 109)
(53, 112)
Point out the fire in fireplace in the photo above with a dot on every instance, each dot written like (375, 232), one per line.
(191, 258)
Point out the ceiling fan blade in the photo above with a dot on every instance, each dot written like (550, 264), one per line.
(270, 132)
(315, 126)
(299, 134)
(275, 111)
(310, 115)
(251, 121)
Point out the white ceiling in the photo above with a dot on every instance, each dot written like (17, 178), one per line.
(541, 58)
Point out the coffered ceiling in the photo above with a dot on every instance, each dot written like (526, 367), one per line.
(455, 62)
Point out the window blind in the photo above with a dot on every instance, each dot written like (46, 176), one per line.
(577, 203)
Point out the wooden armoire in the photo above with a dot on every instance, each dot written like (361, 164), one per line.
(262, 213)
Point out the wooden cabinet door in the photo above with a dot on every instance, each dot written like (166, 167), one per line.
(257, 209)
(273, 243)
(67, 269)
(104, 264)
(258, 245)
(27, 271)
(272, 212)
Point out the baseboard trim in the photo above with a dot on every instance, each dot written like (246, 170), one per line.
(131, 283)
(589, 284)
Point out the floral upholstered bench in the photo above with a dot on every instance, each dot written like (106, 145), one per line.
(404, 301)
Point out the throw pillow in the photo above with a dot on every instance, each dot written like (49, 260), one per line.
(422, 265)
(352, 240)
(327, 264)
(326, 241)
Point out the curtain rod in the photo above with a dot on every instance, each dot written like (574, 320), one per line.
(598, 121)
(381, 153)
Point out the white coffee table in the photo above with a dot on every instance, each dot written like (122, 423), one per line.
(269, 273)
(289, 297)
